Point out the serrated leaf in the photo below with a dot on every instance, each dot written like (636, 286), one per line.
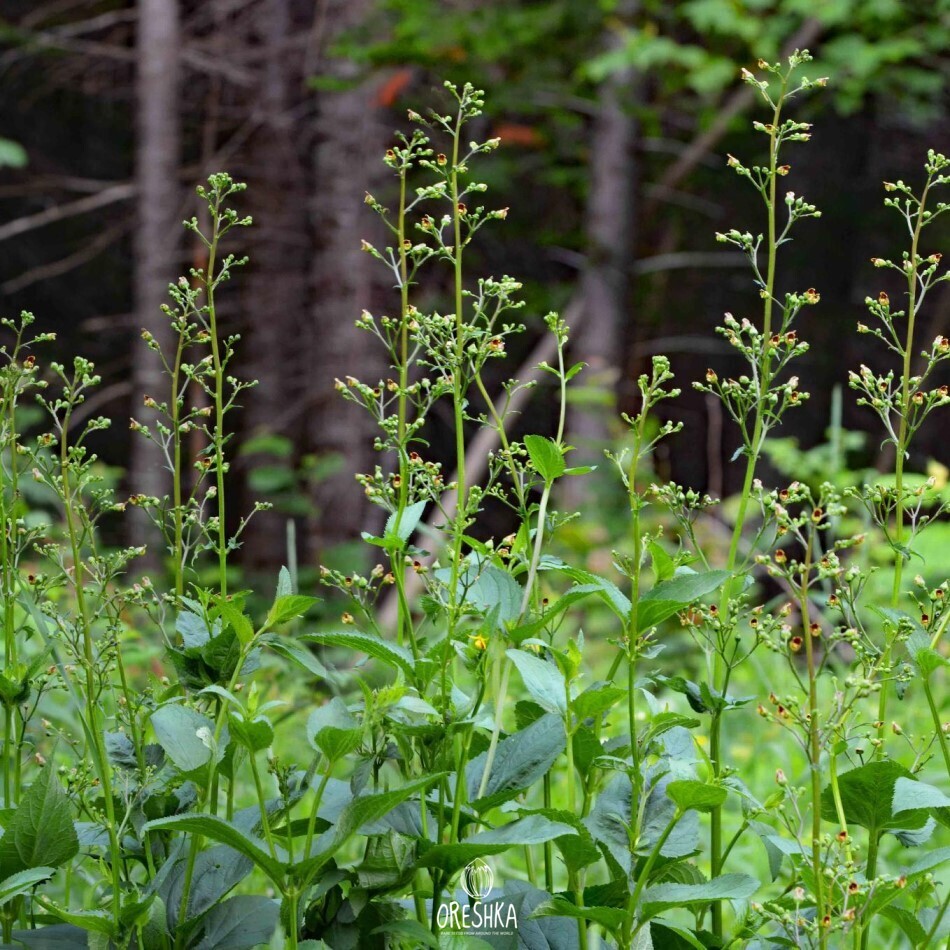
(180, 731)
(332, 730)
(224, 832)
(543, 680)
(391, 654)
(696, 795)
(521, 759)
(546, 457)
(909, 794)
(298, 655)
(239, 923)
(23, 881)
(41, 833)
(663, 897)
(401, 528)
(611, 918)
(672, 596)
(867, 795)
(287, 608)
(358, 812)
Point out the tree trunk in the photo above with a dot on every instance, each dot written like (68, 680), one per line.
(156, 237)
(351, 138)
(609, 232)
(275, 287)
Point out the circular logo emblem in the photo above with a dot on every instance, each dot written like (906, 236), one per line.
(477, 880)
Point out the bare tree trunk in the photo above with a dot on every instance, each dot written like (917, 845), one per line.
(157, 230)
(609, 232)
(351, 140)
(275, 288)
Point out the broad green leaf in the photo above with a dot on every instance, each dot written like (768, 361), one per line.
(401, 528)
(521, 760)
(285, 583)
(217, 829)
(184, 734)
(910, 794)
(288, 607)
(391, 654)
(92, 921)
(358, 812)
(41, 833)
(543, 680)
(546, 456)
(596, 700)
(663, 897)
(298, 655)
(531, 830)
(239, 923)
(907, 922)
(332, 730)
(23, 881)
(696, 795)
(237, 620)
(492, 591)
(672, 596)
(612, 918)
(867, 794)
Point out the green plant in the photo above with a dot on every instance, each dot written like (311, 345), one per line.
(227, 807)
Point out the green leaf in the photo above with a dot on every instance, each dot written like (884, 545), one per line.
(664, 567)
(672, 596)
(663, 897)
(411, 517)
(410, 930)
(237, 620)
(612, 918)
(543, 680)
(298, 655)
(867, 794)
(530, 830)
(285, 583)
(910, 794)
(23, 881)
(929, 660)
(696, 795)
(546, 457)
(596, 700)
(521, 760)
(492, 590)
(239, 923)
(217, 829)
(184, 735)
(92, 921)
(358, 812)
(391, 654)
(41, 833)
(332, 730)
(288, 608)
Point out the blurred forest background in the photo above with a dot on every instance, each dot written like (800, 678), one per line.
(615, 119)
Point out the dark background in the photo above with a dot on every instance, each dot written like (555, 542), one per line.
(615, 119)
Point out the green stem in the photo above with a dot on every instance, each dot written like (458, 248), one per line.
(93, 711)
(938, 725)
(645, 874)
(870, 873)
(219, 436)
(753, 449)
(901, 453)
(814, 744)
